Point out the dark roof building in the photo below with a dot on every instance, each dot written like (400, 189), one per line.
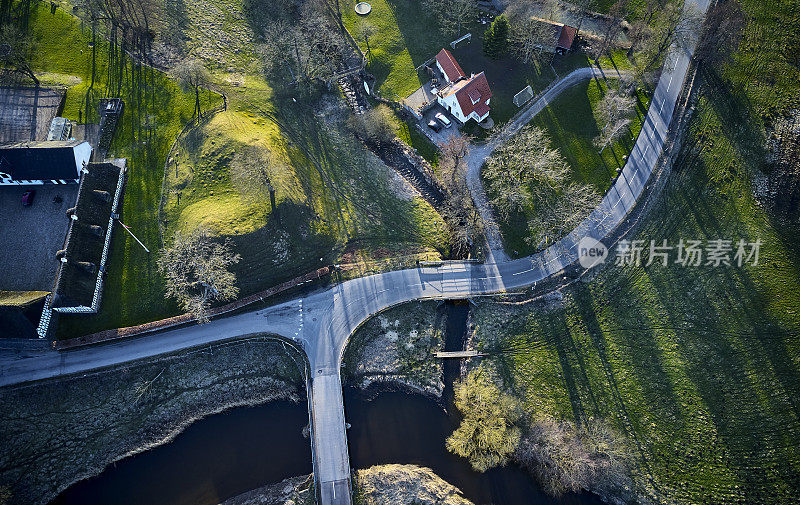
(32, 163)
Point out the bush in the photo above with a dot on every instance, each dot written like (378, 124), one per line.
(567, 458)
(376, 125)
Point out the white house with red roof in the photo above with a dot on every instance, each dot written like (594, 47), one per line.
(464, 97)
(449, 67)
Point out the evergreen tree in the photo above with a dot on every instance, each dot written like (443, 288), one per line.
(495, 40)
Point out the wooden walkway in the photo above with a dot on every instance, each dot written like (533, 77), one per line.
(458, 354)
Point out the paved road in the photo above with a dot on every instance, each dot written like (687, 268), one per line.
(479, 153)
(322, 322)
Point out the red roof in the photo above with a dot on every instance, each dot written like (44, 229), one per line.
(566, 37)
(452, 70)
(476, 87)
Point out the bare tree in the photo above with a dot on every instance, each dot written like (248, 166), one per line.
(568, 458)
(613, 111)
(524, 162)
(366, 30)
(306, 46)
(558, 210)
(458, 209)
(675, 24)
(452, 14)
(376, 125)
(252, 171)
(16, 49)
(195, 270)
(527, 173)
(529, 36)
(193, 75)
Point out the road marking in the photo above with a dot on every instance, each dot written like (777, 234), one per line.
(670, 81)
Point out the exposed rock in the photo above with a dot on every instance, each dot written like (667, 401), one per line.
(405, 485)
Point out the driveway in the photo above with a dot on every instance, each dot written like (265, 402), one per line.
(445, 133)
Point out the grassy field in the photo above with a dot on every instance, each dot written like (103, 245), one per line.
(324, 213)
(571, 124)
(404, 38)
(155, 111)
(698, 366)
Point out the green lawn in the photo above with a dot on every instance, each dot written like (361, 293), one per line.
(698, 366)
(571, 124)
(405, 37)
(155, 110)
(334, 202)
(409, 134)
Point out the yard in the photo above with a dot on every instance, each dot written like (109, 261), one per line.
(571, 125)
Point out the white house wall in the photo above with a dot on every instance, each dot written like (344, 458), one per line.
(83, 153)
(451, 104)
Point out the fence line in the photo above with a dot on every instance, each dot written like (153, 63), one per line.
(170, 322)
(192, 123)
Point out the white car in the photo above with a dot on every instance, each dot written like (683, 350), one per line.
(443, 119)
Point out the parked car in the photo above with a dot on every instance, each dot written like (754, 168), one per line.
(443, 119)
(27, 198)
(434, 125)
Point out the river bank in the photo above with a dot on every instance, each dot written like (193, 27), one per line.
(377, 485)
(394, 350)
(56, 433)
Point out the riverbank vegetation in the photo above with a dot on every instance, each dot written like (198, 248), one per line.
(397, 346)
(55, 433)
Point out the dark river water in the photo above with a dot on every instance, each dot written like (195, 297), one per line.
(244, 448)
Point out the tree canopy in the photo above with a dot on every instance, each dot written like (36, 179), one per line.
(495, 42)
(195, 269)
(488, 435)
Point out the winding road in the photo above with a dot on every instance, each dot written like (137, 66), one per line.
(321, 323)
